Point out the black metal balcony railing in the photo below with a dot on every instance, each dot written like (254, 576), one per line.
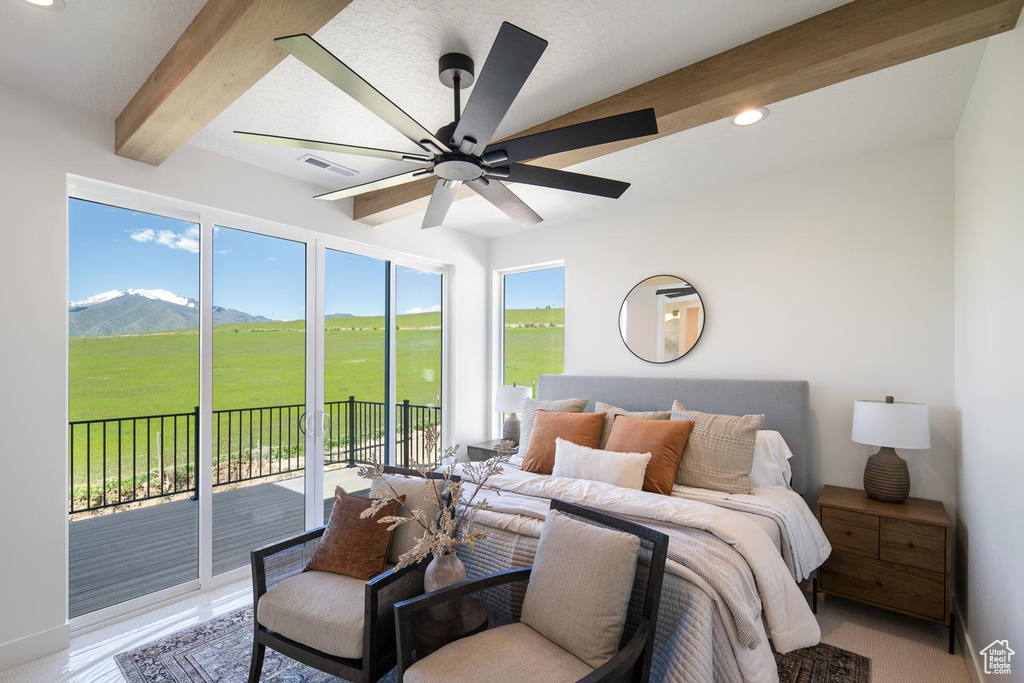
(131, 459)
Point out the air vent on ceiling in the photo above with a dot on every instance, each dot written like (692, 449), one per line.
(328, 166)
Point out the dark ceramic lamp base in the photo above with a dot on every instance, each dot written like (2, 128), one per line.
(510, 430)
(886, 477)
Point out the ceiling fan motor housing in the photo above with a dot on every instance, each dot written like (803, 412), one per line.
(456, 64)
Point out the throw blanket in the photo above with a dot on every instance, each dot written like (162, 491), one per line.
(788, 619)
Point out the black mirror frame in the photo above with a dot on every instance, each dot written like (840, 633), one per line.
(699, 334)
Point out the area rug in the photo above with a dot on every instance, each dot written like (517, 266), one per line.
(823, 664)
(218, 651)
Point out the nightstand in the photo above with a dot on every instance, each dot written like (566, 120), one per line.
(898, 556)
(482, 451)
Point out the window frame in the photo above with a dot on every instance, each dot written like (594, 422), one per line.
(498, 330)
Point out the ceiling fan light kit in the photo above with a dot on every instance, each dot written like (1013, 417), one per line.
(462, 151)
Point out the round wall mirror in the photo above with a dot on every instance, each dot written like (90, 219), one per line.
(661, 319)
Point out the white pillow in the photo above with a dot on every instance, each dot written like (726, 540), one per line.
(771, 461)
(580, 462)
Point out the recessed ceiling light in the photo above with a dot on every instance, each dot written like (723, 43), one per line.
(750, 116)
(47, 4)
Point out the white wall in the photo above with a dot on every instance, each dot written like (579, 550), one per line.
(989, 317)
(41, 142)
(841, 275)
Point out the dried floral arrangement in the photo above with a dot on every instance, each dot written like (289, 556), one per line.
(452, 525)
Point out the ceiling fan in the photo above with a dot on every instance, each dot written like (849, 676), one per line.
(462, 151)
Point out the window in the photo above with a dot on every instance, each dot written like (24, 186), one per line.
(418, 361)
(533, 325)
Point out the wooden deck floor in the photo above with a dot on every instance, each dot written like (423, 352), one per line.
(128, 554)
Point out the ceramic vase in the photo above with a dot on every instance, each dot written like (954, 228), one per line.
(443, 571)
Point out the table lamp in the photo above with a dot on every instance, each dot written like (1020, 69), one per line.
(889, 424)
(510, 399)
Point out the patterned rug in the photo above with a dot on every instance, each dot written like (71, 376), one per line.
(218, 651)
(823, 664)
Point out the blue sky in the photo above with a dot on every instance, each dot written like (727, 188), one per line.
(536, 289)
(114, 248)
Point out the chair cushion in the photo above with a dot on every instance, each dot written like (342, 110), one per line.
(351, 545)
(580, 586)
(665, 442)
(318, 609)
(579, 428)
(511, 653)
(418, 496)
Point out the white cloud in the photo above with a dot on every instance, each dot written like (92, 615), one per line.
(223, 251)
(188, 240)
(419, 309)
(147, 235)
(271, 258)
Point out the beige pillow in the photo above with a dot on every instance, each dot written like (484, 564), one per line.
(532, 405)
(720, 451)
(581, 605)
(418, 496)
(579, 462)
(611, 411)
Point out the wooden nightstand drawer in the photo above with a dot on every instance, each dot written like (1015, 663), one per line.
(913, 544)
(907, 589)
(852, 532)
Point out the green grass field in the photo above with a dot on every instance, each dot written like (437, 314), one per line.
(262, 364)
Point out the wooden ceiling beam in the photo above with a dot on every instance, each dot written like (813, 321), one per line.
(848, 41)
(226, 49)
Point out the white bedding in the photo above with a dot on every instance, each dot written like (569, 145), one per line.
(787, 618)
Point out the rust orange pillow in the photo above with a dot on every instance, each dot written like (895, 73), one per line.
(350, 545)
(583, 429)
(663, 439)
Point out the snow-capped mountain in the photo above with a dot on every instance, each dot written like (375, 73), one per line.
(154, 294)
(137, 311)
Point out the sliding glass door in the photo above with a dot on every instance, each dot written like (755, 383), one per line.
(225, 375)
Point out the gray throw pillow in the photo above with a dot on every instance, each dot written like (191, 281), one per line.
(418, 496)
(532, 405)
(581, 605)
(720, 451)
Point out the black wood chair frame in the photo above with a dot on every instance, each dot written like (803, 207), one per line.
(379, 650)
(631, 663)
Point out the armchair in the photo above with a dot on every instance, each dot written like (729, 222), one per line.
(337, 624)
(510, 649)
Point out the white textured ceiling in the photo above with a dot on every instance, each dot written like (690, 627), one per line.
(93, 54)
(595, 48)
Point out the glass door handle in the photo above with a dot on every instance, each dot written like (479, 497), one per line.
(306, 423)
(325, 422)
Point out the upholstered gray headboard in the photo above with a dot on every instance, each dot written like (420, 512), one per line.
(785, 404)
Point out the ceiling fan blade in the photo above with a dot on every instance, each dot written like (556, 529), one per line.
(316, 57)
(332, 147)
(564, 180)
(511, 60)
(390, 181)
(440, 201)
(634, 124)
(503, 198)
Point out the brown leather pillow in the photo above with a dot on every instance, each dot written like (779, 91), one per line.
(583, 429)
(664, 440)
(350, 545)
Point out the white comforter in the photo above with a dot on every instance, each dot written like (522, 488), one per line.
(788, 619)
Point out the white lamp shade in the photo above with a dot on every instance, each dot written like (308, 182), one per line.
(510, 399)
(896, 425)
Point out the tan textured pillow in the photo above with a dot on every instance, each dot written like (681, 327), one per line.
(720, 452)
(532, 405)
(418, 496)
(350, 545)
(611, 411)
(663, 439)
(611, 467)
(580, 605)
(579, 428)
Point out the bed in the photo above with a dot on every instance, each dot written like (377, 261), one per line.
(731, 592)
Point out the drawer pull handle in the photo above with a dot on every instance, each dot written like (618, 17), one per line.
(849, 533)
(911, 544)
